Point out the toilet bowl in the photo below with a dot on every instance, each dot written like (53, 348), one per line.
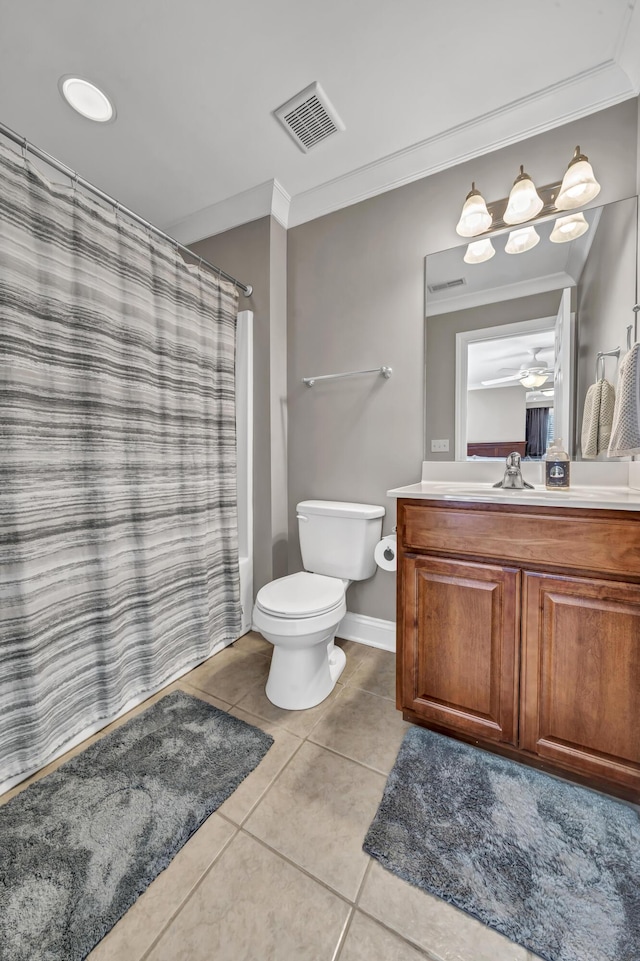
(299, 614)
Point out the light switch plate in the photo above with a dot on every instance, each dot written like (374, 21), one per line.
(439, 446)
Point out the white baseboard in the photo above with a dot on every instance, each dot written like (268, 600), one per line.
(372, 631)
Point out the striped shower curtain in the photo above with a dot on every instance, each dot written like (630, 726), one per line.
(118, 520)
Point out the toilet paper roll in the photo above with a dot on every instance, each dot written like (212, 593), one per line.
(385, 553)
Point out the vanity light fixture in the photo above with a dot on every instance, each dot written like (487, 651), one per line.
(479, 251)
(579, 184)
(86, 99)
(524, 201)
(521, 240)
(475, 218)
(568, 228)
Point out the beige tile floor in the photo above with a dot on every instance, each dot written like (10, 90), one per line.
(278, 872)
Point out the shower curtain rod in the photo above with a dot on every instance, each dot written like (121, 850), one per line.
(75, 178)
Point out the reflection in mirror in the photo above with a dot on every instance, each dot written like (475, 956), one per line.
(512, 342)
(513, 411)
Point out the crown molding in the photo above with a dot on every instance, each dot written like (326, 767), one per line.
(605, 85)
(602, 86)
(626, 54)
(267, 199)
(479, 298)
(280, 204)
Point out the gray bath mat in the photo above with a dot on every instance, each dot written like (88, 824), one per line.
(553, 866)
(78, 847)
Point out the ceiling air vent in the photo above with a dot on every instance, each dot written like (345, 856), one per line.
(309, 117)
(446, 285)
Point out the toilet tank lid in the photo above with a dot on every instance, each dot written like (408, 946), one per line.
(340, 509)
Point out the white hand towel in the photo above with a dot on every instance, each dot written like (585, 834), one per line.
(597, 420)
(625, 435)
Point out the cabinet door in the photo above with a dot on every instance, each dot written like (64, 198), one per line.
(581, 675)
(460, 645)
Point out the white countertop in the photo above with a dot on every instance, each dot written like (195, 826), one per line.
(602, 485)
(596, 498)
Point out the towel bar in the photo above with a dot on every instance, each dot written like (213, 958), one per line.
(385, 371)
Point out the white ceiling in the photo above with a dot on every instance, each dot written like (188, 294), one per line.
(419, 85)
(500, 357)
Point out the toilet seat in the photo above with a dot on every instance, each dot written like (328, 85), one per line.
(300, 596)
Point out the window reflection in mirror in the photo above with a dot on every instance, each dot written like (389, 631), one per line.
(515, 318)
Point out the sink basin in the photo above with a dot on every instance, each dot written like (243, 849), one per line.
(595, 497)
(475, 490)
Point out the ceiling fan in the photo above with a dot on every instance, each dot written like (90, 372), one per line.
(533, 375)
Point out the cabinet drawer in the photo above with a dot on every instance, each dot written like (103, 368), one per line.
(601, 541)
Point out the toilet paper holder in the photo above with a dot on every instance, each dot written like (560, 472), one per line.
(388, 552)
(385, 551)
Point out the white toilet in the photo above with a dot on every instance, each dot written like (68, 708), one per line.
(299, 614)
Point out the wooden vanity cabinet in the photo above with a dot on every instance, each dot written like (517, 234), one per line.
(460, 624)
(519, 631)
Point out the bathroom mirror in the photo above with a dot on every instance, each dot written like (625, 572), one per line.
(512, 342)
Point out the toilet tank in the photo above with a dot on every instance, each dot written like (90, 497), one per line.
(338, 538)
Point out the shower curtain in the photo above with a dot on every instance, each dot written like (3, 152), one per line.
(118, 522)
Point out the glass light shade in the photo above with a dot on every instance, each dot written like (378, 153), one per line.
(579, 185)
(534, 380)
(475, 218)
(568, 228)
(521, 240)
(479, 251)
(524, 201)
(86, 99)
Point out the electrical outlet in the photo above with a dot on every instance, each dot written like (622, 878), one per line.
(439, 446)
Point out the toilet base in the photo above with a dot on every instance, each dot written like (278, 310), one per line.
(300, 678)
(337, 661)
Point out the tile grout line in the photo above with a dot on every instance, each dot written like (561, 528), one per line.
(242, 654)
(344, 934)
(298, 867)
(412, 944)
(192, 891)
(307, 740)
(347, 757)
(343, 941)
(278, 723)
(264, 793)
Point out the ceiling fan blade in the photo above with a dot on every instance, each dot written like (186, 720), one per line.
(501, 380)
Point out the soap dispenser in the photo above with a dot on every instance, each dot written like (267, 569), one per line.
(557, 466)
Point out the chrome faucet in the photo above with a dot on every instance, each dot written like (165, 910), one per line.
(513, 479)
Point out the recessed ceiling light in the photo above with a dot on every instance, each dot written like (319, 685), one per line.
(87, 99)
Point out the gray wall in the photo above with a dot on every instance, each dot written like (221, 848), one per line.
(356, 300)
(278, 416)
(255, 253)
(496, 414)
